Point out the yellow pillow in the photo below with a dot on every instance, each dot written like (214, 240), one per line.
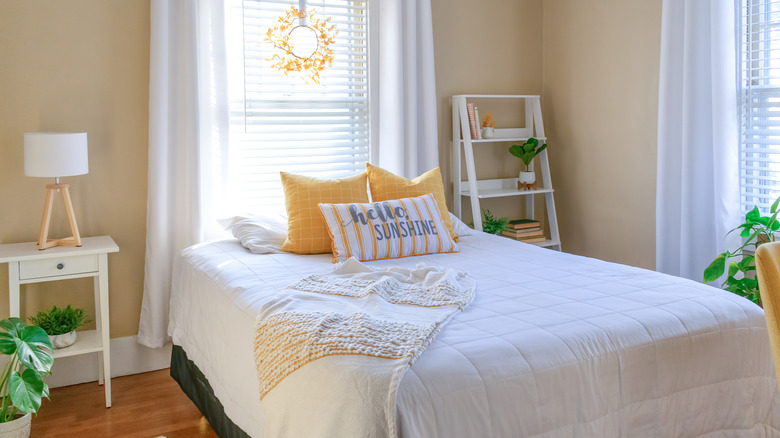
(307, 232)
(386, 186)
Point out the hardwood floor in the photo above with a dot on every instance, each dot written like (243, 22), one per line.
(143, 405)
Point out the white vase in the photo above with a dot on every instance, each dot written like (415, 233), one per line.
(488, 132)
(527, 177)
(63, 340)
(16, 428)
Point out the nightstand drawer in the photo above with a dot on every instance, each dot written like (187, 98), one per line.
(55, 267)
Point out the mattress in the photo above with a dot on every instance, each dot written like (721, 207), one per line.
(554, 345)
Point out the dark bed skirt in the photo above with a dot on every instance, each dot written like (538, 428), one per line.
(197, 388)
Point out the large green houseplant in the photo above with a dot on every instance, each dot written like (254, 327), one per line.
(740, 278)
(21, 382)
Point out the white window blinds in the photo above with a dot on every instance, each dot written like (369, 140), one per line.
(281, 123)
(760, 103)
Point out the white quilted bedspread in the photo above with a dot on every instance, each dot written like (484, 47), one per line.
(554, 345)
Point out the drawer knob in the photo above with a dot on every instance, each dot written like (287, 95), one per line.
(60, 265)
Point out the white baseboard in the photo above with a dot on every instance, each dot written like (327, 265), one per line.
(127, 357)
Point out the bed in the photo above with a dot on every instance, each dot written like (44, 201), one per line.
(554, 345)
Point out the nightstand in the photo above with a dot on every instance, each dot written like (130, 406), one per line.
(27, 264)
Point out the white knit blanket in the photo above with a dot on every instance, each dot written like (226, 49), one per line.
(331, 353)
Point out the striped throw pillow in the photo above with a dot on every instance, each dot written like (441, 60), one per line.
(387, 229)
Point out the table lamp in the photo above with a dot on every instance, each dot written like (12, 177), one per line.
(54, 155)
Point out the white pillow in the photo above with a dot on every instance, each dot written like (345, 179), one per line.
(260, 234)
(459, 227)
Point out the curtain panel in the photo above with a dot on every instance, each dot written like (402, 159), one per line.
(404, 136)
(697, 199)
(187, 128)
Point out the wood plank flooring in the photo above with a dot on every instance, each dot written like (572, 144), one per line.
(143, 405)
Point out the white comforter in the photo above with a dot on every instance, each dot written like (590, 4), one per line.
(554, 345)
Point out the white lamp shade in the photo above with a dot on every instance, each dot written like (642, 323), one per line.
(55, 154)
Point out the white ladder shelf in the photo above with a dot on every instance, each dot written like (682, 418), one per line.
(493, 188)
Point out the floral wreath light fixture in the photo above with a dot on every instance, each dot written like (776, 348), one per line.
(280, 35)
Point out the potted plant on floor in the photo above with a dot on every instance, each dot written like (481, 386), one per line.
(756, 229)
(21, 383)
(526, 152)
(60, 324)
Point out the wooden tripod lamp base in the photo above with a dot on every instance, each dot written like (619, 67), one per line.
(75, 238)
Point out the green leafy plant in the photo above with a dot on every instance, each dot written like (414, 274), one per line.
(60, 321)
(492, 224)
(756, 229)
(527, 151)
(21, 383)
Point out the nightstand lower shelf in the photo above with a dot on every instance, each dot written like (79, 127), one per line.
(88, 341)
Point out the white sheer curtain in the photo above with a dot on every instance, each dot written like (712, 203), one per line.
(187, 128)
(697, 200)
(403, 87)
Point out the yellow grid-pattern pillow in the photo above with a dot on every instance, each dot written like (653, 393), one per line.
(387, 229)
(385, 186)
(306, 230)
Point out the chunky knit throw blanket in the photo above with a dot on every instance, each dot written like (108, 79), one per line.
(331, 352)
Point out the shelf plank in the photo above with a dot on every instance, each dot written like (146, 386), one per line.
(86, 342)
(497, 193)
(500, 140)
(546, 243)
(498, 96)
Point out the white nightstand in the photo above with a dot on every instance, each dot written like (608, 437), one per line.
(27, 264)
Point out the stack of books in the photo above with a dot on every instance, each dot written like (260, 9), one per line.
(525, 230)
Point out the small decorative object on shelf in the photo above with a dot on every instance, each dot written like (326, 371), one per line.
(530, 149)
(61, 324)
(492, 224)
(488, 126)
(756, 230)
(22, 386)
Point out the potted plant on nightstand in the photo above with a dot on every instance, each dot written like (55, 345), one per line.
(60, 324)
(21, 383)
(526, 152)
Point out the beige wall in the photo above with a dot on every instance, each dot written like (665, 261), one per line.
(600, 103)
(485, 47)
(78, 65)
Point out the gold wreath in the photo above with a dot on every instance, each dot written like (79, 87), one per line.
(279, 37)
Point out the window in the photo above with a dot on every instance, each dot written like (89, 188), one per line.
(760, 103)
(281, 123)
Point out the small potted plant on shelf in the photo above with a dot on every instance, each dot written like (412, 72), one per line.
(756, 229)
(526, 152)
(492, 224)
(60, 324)
(21, 383)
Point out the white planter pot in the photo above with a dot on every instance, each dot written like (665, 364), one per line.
(527, 177)
(63, 340)
(488, 132)
(18, 428)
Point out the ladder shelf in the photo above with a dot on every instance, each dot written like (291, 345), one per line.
(493, 188)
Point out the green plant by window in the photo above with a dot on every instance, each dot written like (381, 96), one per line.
(756, 229)
(60, 321)
(21, 382)
(492, 224)
(527, 151)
